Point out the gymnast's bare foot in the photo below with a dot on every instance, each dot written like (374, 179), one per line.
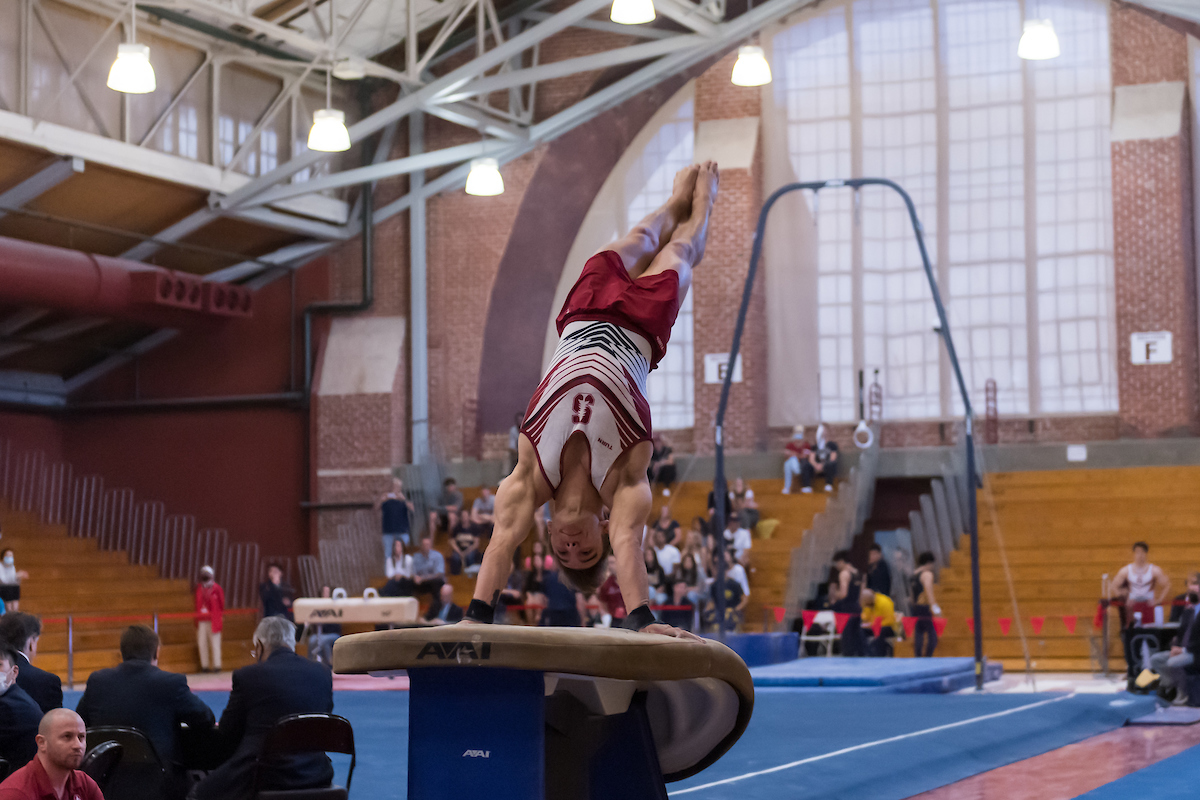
(683, 191)
(708, 179)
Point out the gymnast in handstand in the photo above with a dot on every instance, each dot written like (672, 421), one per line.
(585, 442)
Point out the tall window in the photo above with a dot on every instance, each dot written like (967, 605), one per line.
(671, 387)
(1008, 165)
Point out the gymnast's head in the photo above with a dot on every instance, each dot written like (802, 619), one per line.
(579, 545)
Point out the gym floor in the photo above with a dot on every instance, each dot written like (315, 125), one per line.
(873, 746)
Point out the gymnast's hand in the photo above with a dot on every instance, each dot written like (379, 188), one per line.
(671, 630)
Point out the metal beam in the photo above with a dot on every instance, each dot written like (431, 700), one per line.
(292, 224)
(377, 172)
(293, 254)
(66, 329)
(641, 31)
(31, 388)
(116, 360)
(689, 16)
(172, 233)
(40, 183)
(21, 319)
(412, 102)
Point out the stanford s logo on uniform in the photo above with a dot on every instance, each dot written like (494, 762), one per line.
(445, 650)
(582, 406)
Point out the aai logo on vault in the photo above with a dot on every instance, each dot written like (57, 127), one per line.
(458, 650)
(477, 754)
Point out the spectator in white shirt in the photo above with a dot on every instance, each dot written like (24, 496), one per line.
(668, 554)
(737, 538)
(399, 571)
(735, 571)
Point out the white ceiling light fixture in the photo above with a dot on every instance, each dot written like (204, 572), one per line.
(350, 69)
(751, 67)
(1038, 41)
(485, 180)
(132, 73)
(328, 133)
(632, 12)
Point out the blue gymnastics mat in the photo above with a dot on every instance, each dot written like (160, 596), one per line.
(922, 675)
(1177, 776)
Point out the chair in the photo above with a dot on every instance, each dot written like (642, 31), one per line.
(141, 774)
(100, 762)
(297, 734)
(828, 622)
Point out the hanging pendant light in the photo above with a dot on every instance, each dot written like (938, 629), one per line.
(632, 12)
(132, 73)
(328, 133)
(1038, 41)
(485, 180)
(751, 67)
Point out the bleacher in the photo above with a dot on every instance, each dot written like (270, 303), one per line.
(1062, 531)
(72, 577)
(769, 558)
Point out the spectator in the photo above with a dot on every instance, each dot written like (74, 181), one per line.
(443, 611)
(701, 542)
(844, 599)
(277, 595)
(398, 568)
(736, 571)
(667, 526)
(1142, 586)
(879, 576)
(539, 554)
(662, 464)
(737, 538)
(668, 554)
(210, 615)
(737, 595)
(589, 610)
(561, 608)
(878, 606)
(61, 739)
(659, 585)
(514, 442)
(320, 641)
(924, 606)
(21, 632)
(743, 502)
(824, 462)
(449, 506)
(396, 512)
(10, 580)
(535, 591)
(279, 684)
(796, 452)
(1180, 603)
(19, 714)
(510, 595)
(464, 548)
(691, 577)
(137, 694)
(483, 512)
(429, 569)
(541, 521)
(609, 594)
(682, 614)
(1172, 664)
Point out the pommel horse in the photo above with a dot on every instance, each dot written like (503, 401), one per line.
(516, 713)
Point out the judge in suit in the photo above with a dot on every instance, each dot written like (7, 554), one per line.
(137, 694)
(281, 683)
(21, 632)
(19, 715)
(443, 611)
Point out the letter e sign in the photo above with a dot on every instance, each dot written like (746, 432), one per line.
(1150, 347)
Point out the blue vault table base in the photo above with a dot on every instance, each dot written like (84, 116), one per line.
(496, 734)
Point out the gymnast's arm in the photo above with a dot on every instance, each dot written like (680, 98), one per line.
(631, 504)
(519, 496)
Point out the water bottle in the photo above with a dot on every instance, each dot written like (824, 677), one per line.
(1137, 619)
(1158, 615)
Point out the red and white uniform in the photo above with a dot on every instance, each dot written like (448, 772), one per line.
(613, 330)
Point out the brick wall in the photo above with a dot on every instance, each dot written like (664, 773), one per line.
(718, 282)
(1153, 239)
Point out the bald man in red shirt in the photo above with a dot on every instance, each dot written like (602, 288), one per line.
(53, 774)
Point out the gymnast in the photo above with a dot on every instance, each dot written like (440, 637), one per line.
(585, 442)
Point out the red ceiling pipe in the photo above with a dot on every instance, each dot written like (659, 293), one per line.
(44, 276)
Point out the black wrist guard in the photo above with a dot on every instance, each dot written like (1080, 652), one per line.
(479, 611)
(639, 618)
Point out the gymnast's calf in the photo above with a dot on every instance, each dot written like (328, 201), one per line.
(585, 442)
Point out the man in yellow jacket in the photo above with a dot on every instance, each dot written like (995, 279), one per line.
(878, 607)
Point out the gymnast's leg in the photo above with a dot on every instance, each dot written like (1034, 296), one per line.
(686, 246)
(639, 247)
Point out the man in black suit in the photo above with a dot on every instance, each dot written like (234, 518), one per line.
(19, 715)
(137, 694)
(281, 683)
(21, 631)
(443, 611)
